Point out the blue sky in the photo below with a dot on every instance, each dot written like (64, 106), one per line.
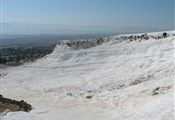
(157, 14)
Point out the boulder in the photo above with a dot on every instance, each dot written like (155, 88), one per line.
(14, 105)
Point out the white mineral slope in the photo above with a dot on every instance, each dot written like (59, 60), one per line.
(117, 80)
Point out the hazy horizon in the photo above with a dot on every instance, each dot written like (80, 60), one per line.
(35, 28)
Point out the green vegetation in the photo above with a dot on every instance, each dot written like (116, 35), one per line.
(19, 55)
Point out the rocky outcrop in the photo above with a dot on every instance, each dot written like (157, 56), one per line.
(142, 37)
(13, 105)
(82, 44)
